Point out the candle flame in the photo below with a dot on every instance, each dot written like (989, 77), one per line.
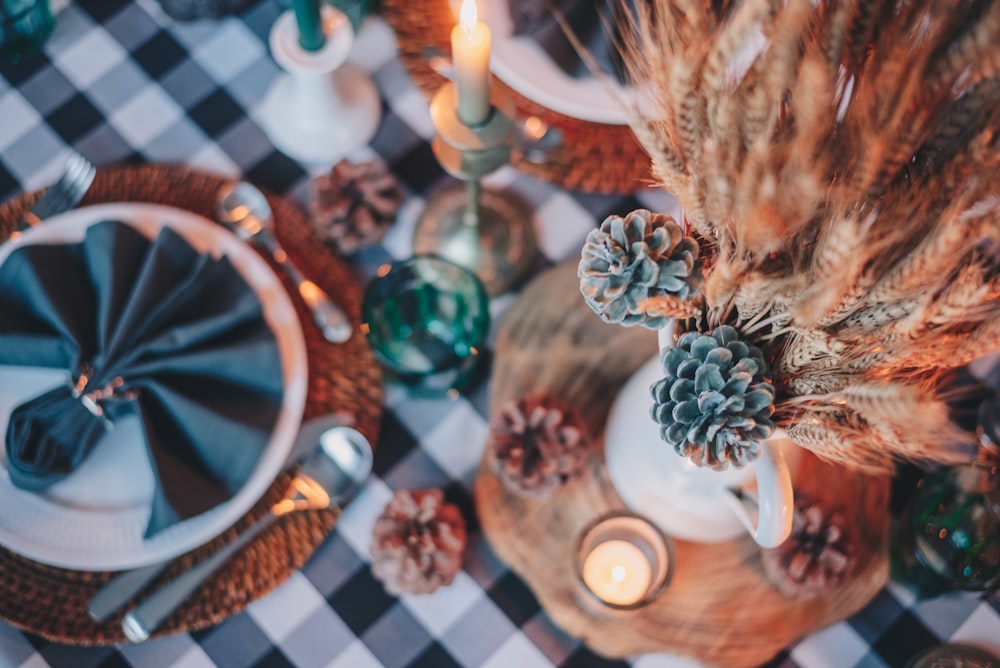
(467, 15)
(618, 574)
(535, 128)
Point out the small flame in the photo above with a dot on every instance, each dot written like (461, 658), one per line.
(467, 15)
(534, 128)
(618, 574)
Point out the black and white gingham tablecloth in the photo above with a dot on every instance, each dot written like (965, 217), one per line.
(120, 81)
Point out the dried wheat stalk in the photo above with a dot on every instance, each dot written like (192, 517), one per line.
(841, 161)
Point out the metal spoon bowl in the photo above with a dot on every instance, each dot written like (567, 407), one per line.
(339, 463)
(243, 208)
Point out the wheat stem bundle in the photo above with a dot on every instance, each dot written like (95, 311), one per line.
(840, 164)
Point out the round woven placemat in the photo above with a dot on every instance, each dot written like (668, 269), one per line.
(52, 602)
(594, 157)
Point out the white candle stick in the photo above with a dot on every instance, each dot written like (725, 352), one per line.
(470, 49)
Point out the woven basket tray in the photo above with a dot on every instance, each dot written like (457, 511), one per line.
(595, 157)
(52, 602)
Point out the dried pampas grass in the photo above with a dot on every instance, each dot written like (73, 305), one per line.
(840, 164)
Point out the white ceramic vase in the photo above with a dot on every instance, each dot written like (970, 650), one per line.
(687, 501)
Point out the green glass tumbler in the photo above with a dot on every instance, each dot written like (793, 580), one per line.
(24, 27)
(950, 537)
(955, 525)
(426, 319)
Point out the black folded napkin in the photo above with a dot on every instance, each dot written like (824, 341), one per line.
(584, 19)
(145, 327)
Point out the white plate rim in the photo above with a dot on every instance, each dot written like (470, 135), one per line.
(524, 66)
(281, 317)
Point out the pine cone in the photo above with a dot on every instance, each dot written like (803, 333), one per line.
(536, 446)
(628, 260)
(354, 205)
(817, 557)
(417, 542)
(714, 405)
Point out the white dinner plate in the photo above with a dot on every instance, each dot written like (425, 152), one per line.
(95, 518)
(524, 66)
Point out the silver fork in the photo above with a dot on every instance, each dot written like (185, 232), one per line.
(62, 195)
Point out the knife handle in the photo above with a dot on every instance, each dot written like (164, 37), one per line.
(148, 615)
(121, 589)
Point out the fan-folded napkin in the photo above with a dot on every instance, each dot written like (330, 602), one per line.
(148, 327)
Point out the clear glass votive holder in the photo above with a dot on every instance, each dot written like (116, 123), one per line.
(426, 319)
(623, 562)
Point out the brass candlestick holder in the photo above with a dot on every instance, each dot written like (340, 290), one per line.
(485, 230)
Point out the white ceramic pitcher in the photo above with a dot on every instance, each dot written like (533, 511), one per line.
(685, 500)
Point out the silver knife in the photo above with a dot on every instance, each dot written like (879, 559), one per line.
(124, 587)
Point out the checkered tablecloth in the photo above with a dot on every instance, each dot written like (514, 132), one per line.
(119, 81)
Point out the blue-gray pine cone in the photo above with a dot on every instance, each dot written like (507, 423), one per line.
(714, 404)
(628, 260)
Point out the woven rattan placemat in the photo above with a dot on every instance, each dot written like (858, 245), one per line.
(595, 157)
(52, 602)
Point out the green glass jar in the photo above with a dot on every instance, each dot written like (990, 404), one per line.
(955, 524)
(24, 27)
(426, 319)
(950, 537)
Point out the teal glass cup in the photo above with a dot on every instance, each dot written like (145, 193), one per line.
(950, 538)
(426, 319)
(24, 27)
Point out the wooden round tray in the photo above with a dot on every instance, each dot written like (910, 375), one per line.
(718, 607)
(52, 602)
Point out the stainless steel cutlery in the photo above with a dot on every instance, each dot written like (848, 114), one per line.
(62, 195)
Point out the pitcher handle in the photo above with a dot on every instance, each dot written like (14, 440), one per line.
(775, 502)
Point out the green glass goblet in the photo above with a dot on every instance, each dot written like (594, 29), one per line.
(949, 538)
(426, 319)
(24, 27)
(955, 523)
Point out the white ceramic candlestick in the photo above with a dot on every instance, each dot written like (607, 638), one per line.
(322, 109)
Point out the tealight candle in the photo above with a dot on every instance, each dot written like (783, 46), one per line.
(617, 572)
(623, 562)
(470, 52)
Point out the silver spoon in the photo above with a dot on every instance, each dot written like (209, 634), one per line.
(538, 140)
(244, 210)
(338, 465)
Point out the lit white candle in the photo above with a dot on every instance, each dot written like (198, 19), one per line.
(618, 572)
(470, 50)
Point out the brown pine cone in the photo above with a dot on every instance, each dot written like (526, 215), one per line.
(818, 555)
(354, 205)
(417, 542)
(536, 446)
